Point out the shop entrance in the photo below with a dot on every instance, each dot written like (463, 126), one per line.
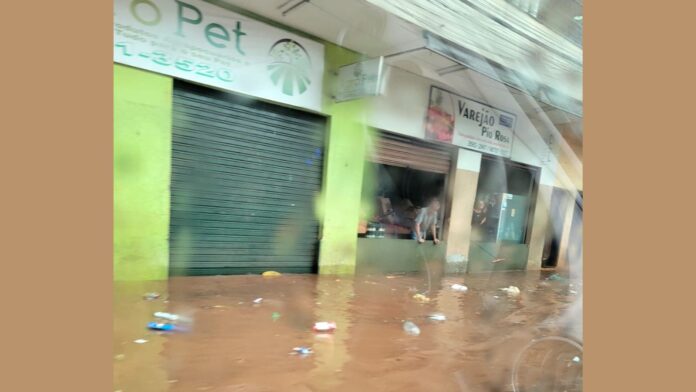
(502, 217)
(245, 175)
(560, 199)
(403, 175)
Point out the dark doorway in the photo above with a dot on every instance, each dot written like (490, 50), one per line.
(558, 206)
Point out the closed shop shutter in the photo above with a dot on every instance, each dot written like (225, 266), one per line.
(245, 175)
(402, 151)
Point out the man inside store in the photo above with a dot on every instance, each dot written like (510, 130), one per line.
(427, 220)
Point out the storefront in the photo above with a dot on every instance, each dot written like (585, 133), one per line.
(489, 183)
(232, 154)
(220, 132)
(501, 223)
(245, 174)
(403, 176)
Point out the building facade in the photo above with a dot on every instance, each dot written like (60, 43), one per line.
(233, 152)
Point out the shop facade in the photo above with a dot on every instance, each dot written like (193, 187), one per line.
(233, 156)
(514, 175)
(221, 127)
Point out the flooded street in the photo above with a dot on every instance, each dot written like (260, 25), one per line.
(235, 344)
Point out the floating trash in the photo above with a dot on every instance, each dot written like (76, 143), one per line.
(161, 326)
(411, 328)
(302, 350)
(140, 341)
(512, 291)
(459, 287)
(151, 296)
(258, 300)
(437, 317)
(167, 316)
(421, 298)
(324, 326)
(271, 273)
(275, 316)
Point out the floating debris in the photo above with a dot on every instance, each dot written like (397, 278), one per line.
(167, 316)
(151, 296)
(161, 326)
(437, 317)
(411, 328)
(512, 291)
(555, 277)
(302, 350)
(460, 287)
(140, 341)
(275, 316)
(421, 298)
(258, 300)
(324, 326)
(271, 273)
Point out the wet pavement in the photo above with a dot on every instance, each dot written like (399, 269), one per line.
(234, 344)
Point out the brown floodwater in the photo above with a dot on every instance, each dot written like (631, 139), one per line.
(234, 344)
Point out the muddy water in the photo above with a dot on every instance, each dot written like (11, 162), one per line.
(234, 344)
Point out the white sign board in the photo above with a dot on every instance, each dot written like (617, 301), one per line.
(359, 80)
(451, 118)
(203, 43)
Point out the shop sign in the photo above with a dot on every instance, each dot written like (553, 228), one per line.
(206, 44)
(452, 118)
(359, 80)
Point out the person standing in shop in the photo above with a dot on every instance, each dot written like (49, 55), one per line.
(427, 221)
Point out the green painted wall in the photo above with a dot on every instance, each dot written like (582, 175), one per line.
(340, 204)
(387, 255)
(142, 167)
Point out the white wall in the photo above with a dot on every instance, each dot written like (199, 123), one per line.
(402, 108)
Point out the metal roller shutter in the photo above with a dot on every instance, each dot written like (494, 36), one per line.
(402, 151)
(244, 179)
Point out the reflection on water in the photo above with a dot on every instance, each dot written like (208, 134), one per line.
(237, 345)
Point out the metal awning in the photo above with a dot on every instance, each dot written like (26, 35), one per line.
(495, 39)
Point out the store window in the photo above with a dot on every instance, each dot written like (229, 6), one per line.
(406, 175)
(399, 195)
(504, 201)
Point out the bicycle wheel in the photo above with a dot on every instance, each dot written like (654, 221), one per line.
(548, 364)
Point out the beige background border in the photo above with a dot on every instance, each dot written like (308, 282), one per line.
(57, 196)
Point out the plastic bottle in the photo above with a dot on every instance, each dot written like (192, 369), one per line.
(166, 316)
(161, 326)
(411, 328)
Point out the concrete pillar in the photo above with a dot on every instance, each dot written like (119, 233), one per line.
(539, 225)
(463, 198)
